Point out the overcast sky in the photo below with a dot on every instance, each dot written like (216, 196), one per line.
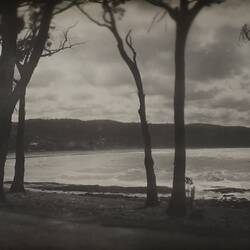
(92, 82)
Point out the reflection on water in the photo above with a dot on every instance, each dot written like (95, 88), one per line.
(208, 167)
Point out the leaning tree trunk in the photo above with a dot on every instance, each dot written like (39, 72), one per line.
(7, 65)
(18, 182)
(5, 127)
(152, 194)
(177, 204)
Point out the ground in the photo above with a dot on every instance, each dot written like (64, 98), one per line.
(62, 220)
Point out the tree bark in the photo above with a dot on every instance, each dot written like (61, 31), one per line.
(18, 182)
(7, 65)
(9, 98)
(20, 92)
(5, 128)
(39, 43)
(152, 194)
(177, 205)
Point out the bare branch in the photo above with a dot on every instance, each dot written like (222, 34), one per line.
(129, 43)
(54, 51)
(156, 19)
(110, 23)
(63, 45)
(108, 10)
(104, 17)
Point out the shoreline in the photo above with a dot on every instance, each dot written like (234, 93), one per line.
(58, 217)
(42, 197)
(224, 193)
(64, 220)
(81, 152)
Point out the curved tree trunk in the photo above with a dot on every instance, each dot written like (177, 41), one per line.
(5, 128)
(7, 65)
(177, 204)
(152, 194)
(18, 182)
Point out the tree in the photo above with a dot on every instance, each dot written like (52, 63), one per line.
(109, 22)
(24, 51)
(9, 95)
(7, 65)
(26, 63)
(18, 182)
(183, 16)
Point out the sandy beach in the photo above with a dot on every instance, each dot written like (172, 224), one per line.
(58, 219)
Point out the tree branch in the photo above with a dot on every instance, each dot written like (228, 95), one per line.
(19, 67)
(156, 19)
(65, 44)
(54, 51)
(202, 3)
(71, 4)
(184, 5)
(173, 13)
(129, 43)
(37, 50)
(91, 18)
(110, 23)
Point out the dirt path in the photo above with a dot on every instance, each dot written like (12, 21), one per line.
(51, 220)
(24, 231)
(34, 232)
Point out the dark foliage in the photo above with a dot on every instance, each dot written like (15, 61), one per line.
(66, 134)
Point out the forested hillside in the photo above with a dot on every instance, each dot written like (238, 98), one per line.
(67, 134)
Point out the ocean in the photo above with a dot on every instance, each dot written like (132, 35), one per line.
(209, 168)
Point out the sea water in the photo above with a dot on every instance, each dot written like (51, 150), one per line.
(209, 168)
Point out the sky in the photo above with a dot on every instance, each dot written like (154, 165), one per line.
(91, 81)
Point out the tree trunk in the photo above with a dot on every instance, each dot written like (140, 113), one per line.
(7, 65)
(18, 182)
(152, 194)
(177, 205)
(5, 127)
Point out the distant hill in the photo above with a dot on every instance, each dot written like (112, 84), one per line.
(70, 134)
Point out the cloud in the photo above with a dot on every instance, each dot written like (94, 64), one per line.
(205, 93)
(218, 60)
(41, 80)
(91, 81)
(239, 102)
